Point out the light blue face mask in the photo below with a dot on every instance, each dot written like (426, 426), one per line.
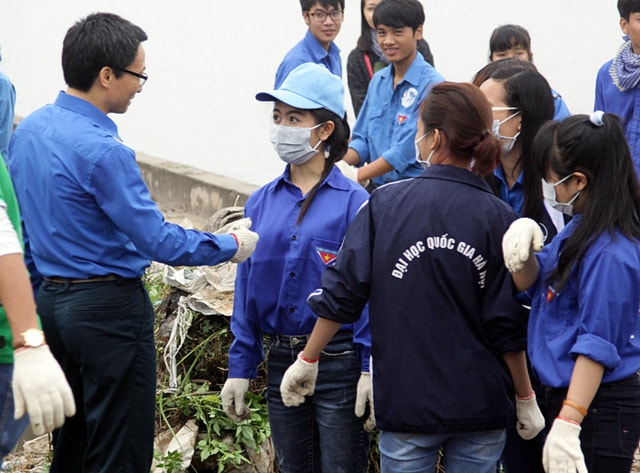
(427, 163)
(507, 141)
(292, 143)
(549, 194)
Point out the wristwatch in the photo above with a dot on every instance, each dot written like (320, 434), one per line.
(31, 338)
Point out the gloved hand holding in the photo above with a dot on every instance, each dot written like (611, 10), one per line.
(562, 452)
(364, 398)
(40, 389)
(350, 172)
(530, 420)
(523, 235)
(245, 238)
(232, 396)
(298, 381)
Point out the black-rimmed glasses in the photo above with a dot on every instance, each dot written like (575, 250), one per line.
(142, 78)
(320, 15)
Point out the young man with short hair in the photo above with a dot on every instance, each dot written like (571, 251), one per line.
(384, 133)
(93, 230)
(324, 19)
(618, 80)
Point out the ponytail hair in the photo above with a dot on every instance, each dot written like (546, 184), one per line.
(336, 145)
(462, 113)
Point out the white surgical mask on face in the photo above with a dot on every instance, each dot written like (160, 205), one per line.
(292, 143)
(549, 193)
(507, 141)
(427, 163)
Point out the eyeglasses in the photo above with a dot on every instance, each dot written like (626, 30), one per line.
(500, 109)
(142, 78)
(319, 15)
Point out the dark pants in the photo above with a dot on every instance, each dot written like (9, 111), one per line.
(611, 429)
(322, 434)
(101, 333)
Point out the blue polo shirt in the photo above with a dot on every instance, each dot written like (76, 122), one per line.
(387, 123)
(273, 284)
(309, 49)
(7, 106)
(595, 314)
(624, 104)
(86, 209)
(514, 196)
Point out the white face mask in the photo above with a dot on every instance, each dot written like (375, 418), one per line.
(427, 163)
(292, 143)
(507, 141)
(549, 193)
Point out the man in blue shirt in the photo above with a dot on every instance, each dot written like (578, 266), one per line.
(7, 107)
(92, 230)
(617, 83)
(324, 18)
(384, 133)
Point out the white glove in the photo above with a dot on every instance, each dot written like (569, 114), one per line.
(232, 396)
(364, 397)
(562, 452)
(298, 381)
(350, 172)
(246, 239)
(517, 242)
(530, 420)
(40, 389)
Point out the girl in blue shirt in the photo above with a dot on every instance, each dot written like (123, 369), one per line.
(584, 329)
(302, 217)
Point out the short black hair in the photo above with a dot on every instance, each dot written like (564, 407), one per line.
(627, 7)
(399, 13)
(307, 4)
(508, 36)
(96, 41)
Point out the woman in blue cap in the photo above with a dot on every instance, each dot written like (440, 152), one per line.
(302, 217)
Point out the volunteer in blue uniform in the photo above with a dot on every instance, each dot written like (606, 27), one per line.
(448, 336)
(302, 217)
(93, 229)
(584, 329)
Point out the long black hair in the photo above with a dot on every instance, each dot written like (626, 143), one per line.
(337, 145)
(612, 193)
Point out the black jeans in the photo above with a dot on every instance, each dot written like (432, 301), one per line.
(611, 429)
(101, 333)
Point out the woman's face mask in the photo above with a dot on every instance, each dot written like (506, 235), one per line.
(507, 141)
(292, 143)
(549, 193)
(427, 163)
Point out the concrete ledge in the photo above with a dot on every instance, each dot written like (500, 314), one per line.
(196, 192)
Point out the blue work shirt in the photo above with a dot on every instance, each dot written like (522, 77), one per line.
(514, 196)
(387, 124)
(309, 49)
(624, 104)
(7, 107)
(561, 111)
(594, 315)
(86, 209)
(273, 284)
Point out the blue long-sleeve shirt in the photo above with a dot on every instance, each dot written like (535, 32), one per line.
(595, 314)
(309, 49)
(273, 284)
(387, 124)
(85, 207)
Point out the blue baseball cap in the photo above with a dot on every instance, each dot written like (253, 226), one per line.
(307, 87)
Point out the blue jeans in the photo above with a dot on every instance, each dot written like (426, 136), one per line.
(101, 333)
(322, 434)
(611, 429)
(10, 429)
(465, 452)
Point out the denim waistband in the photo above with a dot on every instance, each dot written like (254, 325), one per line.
(293, 341)
(632, 380)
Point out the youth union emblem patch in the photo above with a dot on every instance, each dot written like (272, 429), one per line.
(409, 97)
(327, 256)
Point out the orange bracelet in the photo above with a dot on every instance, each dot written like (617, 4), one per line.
(574, 405)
